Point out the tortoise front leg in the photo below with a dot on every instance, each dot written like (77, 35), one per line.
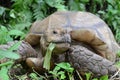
(27, 54)
(84, 60)
(36, 64)
(33, 39)
(24, 50)
(88, 36)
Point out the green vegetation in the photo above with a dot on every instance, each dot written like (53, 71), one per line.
(88, 77)
(10, 57)
(15, 21)
(60, 74)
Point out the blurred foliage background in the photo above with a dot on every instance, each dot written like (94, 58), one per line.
(16, 16)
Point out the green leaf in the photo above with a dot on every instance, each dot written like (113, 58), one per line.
(6, 63)
(101, 12)
(105, 77)
(57, 68)
(33, 76)
(3, 73)
(60, 8)
(62, 74)
(117, 64)
(84, 1)
(88, 75)
(95, 79)
(82, 6)
(9, 54)
(5, 37)
(118, 53)
(47, 59)
(39, 10)
(2, 10)
(15, 32)
(55, 71)
(110, 1)
(65, 66)
(12, 14)
(15, 46)
(3, 28)
(58, 4)
(50, 2)
(22, 26)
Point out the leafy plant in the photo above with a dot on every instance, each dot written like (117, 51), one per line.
(8, 56)
(105, 77)
(4, 71)
(89, 76)
(8, 35)
(58, 4)
(39, 9)
(33, 76)
(58, 74)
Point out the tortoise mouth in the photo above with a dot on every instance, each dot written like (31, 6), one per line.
(61, 44)
(60, 47)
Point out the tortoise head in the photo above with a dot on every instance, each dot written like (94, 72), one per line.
(59, 36)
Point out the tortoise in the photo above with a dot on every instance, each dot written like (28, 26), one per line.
(65, 27)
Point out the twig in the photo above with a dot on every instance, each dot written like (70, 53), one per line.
(115, 75)
(38, 74)
(79, 75)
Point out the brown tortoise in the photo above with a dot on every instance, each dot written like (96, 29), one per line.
(68, 30)
(63, 27)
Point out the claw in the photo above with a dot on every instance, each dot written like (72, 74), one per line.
(36, 64)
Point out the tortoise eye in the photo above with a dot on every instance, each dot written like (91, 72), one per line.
(54, 32)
